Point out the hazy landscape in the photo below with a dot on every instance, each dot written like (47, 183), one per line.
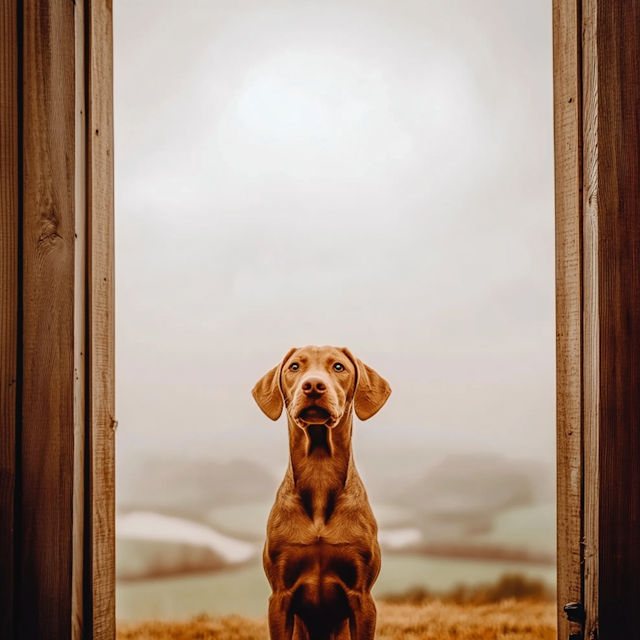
(190, 532)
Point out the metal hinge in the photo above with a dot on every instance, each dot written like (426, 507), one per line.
(576, 615)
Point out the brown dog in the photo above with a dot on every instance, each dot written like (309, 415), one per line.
(321, 556)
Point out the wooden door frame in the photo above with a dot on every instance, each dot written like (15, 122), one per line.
(597, 163)
(57, 495)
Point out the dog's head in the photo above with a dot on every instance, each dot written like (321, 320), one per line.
(318, 385)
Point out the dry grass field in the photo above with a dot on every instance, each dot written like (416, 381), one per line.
(435, 620)
(513, 608)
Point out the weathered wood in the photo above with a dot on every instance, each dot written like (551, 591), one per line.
(591, 319)
(57, 537)
(591, 311)
(9, 310)
(102, 321)
(568, 199)
(48, 319)
(618, 197)
(80, 324)
(608, 65)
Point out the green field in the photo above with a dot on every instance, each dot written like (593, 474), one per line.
(245, 590)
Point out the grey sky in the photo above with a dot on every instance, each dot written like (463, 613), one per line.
(377, 175)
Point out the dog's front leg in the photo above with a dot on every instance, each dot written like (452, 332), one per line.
(362, 619)
(280, 616)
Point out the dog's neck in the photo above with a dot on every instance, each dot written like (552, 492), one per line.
(320, 459)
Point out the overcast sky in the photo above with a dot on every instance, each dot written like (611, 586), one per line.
(376, 174)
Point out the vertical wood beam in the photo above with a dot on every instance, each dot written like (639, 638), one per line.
(80, 330)
(618, 255)
(57, 538)
(101, 283)
(9, 310)
(568, 203)
(603, 292)
(591, 313)
(48, 113)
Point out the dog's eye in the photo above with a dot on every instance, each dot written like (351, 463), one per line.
(338, 367)
(294, 367)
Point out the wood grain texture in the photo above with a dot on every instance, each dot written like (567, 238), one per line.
(618, 69)
(102, 318)
(80, 324)
(48, 317)
(591, 317)
(9, 265)
(57, 486)
(568, 205)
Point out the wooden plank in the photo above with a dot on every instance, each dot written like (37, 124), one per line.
(9, 266)
(80, 322)
(102, 319)
(591, 310)
(618, 45)
(48, 318)
(568, 205)
(57, 277)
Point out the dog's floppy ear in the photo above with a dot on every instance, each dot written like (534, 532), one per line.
(268, 391)
(372, 390)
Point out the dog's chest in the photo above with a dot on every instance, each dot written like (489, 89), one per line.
(344, 526)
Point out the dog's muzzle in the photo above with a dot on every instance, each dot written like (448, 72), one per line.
(314, 415)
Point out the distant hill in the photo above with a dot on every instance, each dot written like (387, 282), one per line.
(184, 486)
(147, 559)
(462, 495)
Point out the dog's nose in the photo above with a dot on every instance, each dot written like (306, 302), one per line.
(313, 387)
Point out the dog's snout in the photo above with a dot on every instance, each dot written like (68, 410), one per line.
(314, 387)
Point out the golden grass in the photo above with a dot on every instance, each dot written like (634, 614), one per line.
(434, 620)
(437, 620)
(200, 628)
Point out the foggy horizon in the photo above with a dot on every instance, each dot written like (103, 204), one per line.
(376, 175)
